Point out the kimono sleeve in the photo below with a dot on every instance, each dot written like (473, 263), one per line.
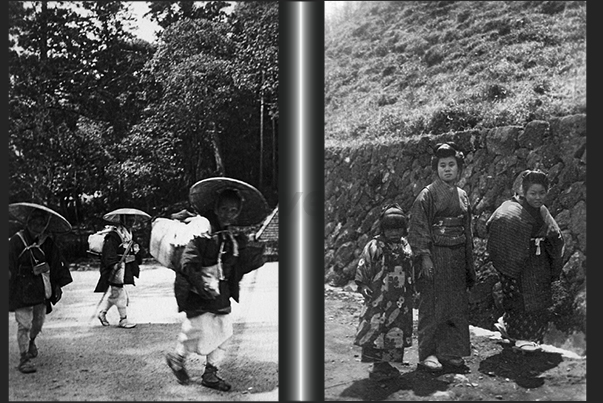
(421, 216)
(366, 265)
(554, 243)
(471, 275)
(191, 264)
(109, 254)
(15, 246)
(251, 257)
(508, 238)
(59, 268)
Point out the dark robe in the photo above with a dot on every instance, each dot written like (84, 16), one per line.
(526, 248)
(26, 288)
(113, 250)
(237, 259)
(440, 226)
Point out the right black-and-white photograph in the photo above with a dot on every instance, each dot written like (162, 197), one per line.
(455, 200)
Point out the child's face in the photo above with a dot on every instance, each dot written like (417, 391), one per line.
(448, 169)
(393, 234)
(227, 212)
(535, 195)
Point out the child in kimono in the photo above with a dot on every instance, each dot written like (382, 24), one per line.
(384, 277)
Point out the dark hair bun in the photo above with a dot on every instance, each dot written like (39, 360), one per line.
(531, 177)
(445, 150)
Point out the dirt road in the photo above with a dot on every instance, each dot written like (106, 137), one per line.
(495, 371)
(81, 360)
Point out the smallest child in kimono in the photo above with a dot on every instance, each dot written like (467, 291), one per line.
(384, 277)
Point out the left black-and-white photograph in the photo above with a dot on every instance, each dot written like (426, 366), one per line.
(143, 200)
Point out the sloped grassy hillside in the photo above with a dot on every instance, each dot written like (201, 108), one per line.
(403, 68)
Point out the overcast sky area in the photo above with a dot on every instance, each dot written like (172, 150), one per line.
(330, 7)
(145, 28)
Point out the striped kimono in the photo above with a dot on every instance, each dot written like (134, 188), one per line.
(385, 326)
(440, 226)
(526, 248)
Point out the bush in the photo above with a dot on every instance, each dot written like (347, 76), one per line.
(552, 7)
(463, 16)
(386, 99)
(455, 118)
(433, 56)
(495, 93)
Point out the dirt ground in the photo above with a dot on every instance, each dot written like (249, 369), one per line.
(494, 370)
(80, 360)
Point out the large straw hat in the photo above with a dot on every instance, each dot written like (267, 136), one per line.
(21, 212)
(203, 196)
(114, 215)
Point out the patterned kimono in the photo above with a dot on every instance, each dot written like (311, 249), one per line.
(440, 226)
(526, 248)
(385, 326)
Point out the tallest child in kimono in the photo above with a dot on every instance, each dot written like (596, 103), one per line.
(440, 237)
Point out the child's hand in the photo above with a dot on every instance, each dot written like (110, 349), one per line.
(427, 267)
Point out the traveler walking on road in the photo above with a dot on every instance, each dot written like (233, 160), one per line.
(385, 278)
(212, 265)
(37, 274)
(120, 260)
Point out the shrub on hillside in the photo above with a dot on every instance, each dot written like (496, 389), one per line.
(453, 118)
(434, 55)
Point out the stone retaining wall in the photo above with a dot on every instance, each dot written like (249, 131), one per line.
(359, 180)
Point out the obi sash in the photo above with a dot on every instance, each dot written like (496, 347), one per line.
(448, 231)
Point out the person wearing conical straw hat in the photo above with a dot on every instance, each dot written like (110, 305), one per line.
(37, 273)
(120, 260)
(212, 265)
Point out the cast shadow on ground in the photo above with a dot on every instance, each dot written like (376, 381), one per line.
(421, 382)
(259, 377)
(523, 368)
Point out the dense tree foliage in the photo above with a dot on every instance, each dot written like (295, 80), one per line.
(99, 117)
(256, 33)
(165, 13)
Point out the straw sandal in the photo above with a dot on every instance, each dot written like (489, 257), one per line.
(526, 346)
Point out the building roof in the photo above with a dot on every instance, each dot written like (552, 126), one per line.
(269, 229)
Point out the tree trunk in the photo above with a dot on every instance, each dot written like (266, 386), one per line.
(261, 130)
(44, 33)
(214, 141)
(274, 179)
